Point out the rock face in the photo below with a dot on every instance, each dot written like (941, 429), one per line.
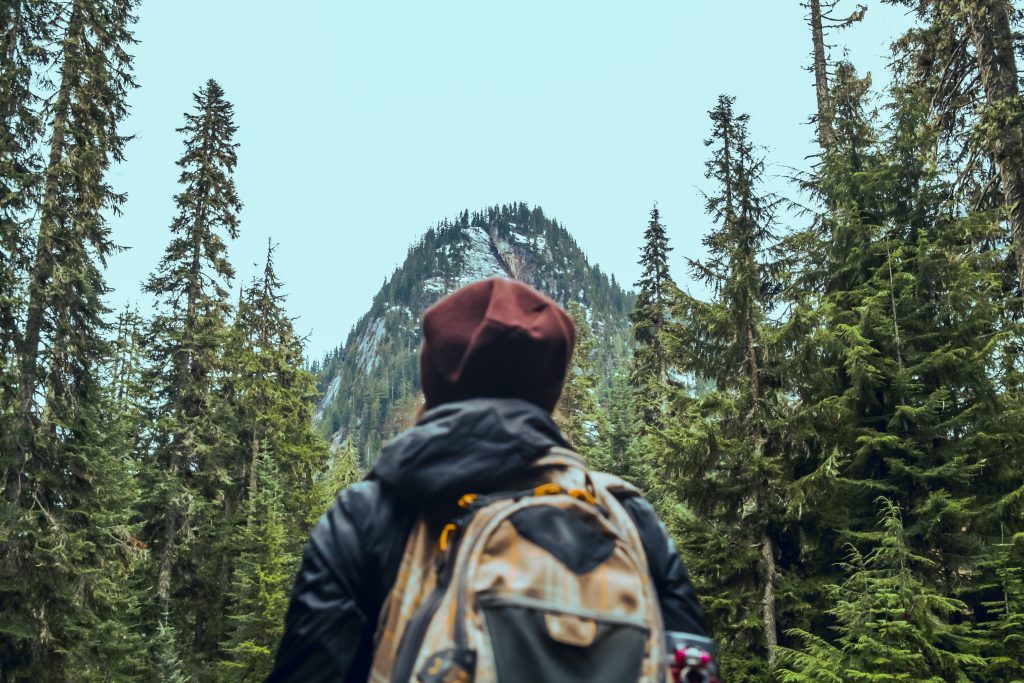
(371, 385)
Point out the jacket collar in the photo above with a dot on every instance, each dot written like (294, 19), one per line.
(475, 445)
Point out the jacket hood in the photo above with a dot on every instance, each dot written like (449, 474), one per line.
(466, 446)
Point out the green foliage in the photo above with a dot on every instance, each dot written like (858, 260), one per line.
(188, 462)
(274, 468)
(578, 414)
(264, 568)
(167, 666)
(66, 523)
(650, 364)
(891, 624)
(725, 450)
(342, 472)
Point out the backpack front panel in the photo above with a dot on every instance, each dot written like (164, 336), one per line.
(542, 588)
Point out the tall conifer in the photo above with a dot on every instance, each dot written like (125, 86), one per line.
(902, 337)
(67, 610)
(653, 291)
(192, 432)
(280, 458)
(724, 447)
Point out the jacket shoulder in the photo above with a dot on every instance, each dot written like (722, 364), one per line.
(362, 537)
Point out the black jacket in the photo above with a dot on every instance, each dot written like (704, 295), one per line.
(353, 553)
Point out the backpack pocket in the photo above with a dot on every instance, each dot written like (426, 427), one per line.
(534, 643)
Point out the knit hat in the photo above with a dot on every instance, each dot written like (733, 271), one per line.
(495, 338)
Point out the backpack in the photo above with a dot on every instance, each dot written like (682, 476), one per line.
(547, 582)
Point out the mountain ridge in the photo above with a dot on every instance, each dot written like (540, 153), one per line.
(370, 384)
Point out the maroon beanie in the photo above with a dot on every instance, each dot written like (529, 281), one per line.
(495, 338)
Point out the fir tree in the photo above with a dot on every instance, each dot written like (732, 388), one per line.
(1002, 633)
(901, 323)
(279, 458)
(343, 471)
(651, 310)
(725, 447)
(263, 574)
(25, 28)
(892, 625)
(192, 432)
(273, 399)
(579, 416)
(963, 57)
(167, 666)
(67, 493)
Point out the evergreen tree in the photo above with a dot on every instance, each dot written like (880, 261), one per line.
(273, 399)
(67, 493)
(651, 310)
(725, 447)
(263, 574)
(892, 625)
(820, 19)
(167, 666)
(900, 331)
(1002, 633)
(579, 415)
(25, 27)
(343, 471)
(279, 458)
(192, 436)
(963, 57)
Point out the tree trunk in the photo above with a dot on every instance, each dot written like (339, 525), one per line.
(771, 638)
(44, 263)
(824, 120)
(992, 36)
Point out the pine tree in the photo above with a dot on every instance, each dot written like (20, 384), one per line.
(343, 471)
(579, 415)
(1001, 128)
(167, 666)
(280, 458)
(67, 492)
(273, 399)
(25, 27)
(725, 447)
(1003, 632)
(192, 432)
(963, 57)
(651, 311)
(263, 574)
(892, 625)
(899, 329)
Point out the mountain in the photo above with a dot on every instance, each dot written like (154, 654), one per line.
(370, 385)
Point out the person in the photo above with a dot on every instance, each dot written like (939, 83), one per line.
(493, 360)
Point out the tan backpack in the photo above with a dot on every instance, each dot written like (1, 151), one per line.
(547, 583)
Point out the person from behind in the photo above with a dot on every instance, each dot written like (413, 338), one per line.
(480, 547)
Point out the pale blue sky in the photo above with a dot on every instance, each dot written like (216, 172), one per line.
(363, 124)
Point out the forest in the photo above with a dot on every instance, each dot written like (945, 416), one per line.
(833, 433)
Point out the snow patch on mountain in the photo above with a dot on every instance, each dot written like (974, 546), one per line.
(479, 260)
(434, 287)
(367, 356)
